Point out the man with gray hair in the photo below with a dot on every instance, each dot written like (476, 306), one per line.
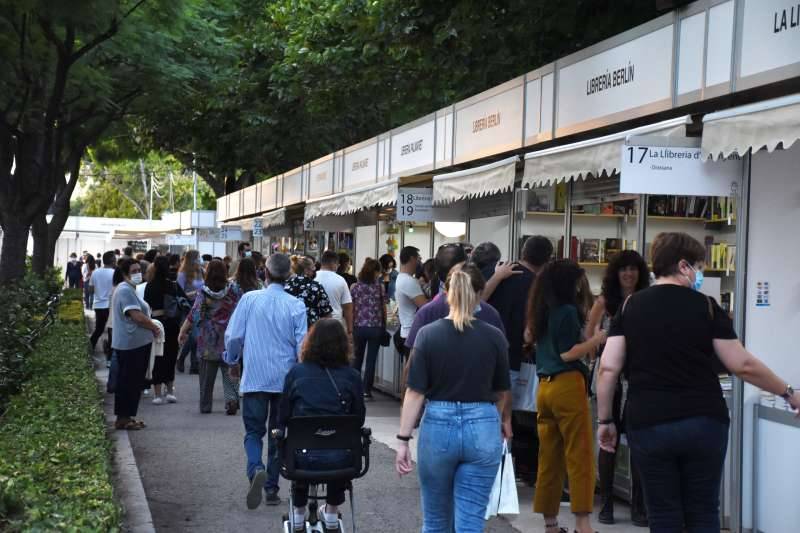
(266, 330)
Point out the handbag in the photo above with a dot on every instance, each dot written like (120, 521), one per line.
(524, 386)
(504, 499)
(386, 338)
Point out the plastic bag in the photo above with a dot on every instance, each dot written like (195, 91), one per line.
(524, 387)
(503, 499)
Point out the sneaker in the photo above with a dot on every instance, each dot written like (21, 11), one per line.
(329, 525)
(256, 485)
(146, 392)
(368, 397)
(272, 498)
(171, 398)
(158, 400)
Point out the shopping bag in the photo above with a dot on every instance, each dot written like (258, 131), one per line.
(503, 499)
(524, 387)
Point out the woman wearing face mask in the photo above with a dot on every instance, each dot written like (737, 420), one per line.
(190, 279)
(670, 339)
(134, 332)
(389, 274)
(626, 273)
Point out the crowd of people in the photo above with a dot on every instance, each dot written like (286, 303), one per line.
(292, 337)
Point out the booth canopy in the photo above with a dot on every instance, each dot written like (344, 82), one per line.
(475, 182)
(751, 128)
(274, 218)
(379, 194)
(591, 158)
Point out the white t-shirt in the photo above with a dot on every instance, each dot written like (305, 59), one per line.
(102, 281)
(336, 288)
(406, 289)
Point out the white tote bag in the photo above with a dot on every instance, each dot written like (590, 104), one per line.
(503, 498)
(523, 388)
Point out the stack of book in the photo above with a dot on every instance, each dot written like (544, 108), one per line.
(599, 251)
(707, 207)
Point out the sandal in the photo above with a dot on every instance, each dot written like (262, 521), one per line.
(128, 424)
(139, 423)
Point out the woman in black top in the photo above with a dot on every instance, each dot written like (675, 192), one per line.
(311, 389)
(670, 339)
(162, 294)
(627, 273)
(460, 366)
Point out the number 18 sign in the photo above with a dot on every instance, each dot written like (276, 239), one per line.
(415, 204)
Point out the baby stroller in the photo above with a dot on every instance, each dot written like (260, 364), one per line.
(315, 433)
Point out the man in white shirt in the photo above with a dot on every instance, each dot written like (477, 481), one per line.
(408, 294)
(336, 288)
(101, 284)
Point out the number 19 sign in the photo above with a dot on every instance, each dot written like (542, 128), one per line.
(415, 204)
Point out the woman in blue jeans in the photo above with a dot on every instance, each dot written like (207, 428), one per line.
(459, 369)
(369, 320)
(670, 339)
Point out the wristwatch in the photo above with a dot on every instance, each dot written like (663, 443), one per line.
(788, 393)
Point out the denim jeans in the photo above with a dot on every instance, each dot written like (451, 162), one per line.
(680, 463)
(366, 338)
(460, 448)
(260, 415)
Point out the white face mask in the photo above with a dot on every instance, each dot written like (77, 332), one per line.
(136, 278)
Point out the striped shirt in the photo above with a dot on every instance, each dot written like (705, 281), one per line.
(268, 326)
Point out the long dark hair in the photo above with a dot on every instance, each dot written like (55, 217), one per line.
(326, 344)
(246, 275)
(556, 285)
(612, 291)
(90, 263)
(369, 271)
(160, 278)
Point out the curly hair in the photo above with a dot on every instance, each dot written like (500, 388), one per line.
(612, 291)
(326, 344)
(556, 285)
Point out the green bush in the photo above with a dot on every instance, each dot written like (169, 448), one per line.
(55, 473)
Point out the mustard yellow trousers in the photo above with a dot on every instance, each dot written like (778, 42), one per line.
(565, 444)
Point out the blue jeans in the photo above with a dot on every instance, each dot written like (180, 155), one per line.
(680, 463)
(460, 448)
(369, 338)
(260, 415)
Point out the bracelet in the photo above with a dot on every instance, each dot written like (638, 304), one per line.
(404, 439)
(605, 422)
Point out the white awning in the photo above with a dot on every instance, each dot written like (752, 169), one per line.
(750, 128)
(591, 158)
(475, 182)
(274, 218)
(344, 203)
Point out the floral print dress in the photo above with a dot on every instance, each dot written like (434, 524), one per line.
(312, 294)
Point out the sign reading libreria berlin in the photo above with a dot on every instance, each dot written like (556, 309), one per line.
(415, 204)
(631, 76)
(770, 35)
(676, 171)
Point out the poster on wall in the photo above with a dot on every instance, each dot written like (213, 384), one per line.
(650, 168)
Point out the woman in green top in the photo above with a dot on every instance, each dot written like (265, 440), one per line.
(556, 316)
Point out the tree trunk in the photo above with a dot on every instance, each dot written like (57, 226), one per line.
(41, 245)
(14, 250)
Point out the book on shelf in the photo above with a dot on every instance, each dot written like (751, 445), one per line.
(573, 247)
(611, 248)
(705, 207)
(590, 250)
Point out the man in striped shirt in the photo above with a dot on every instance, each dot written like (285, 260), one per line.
(266, 330)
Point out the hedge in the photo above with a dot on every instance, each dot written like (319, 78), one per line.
(55, 472)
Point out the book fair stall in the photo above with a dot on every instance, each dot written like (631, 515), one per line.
(686, 123)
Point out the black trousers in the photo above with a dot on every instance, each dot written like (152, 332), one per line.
(164, 366)
(525, 445)
(334, 493)
(130, 380)
(100, 321)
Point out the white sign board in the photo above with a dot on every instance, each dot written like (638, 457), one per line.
(181, 240)
(491, 125)
(413, 149)
(258, 227)
(632, 75)
(320, 181)
(676, 171)
(230, 233)
(415, 204)
(770, 35)
(292, 188)
(360, 167)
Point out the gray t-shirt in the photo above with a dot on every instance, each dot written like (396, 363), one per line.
(452, 366)
(127, 334)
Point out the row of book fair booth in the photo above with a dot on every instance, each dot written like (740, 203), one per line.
(698, 136)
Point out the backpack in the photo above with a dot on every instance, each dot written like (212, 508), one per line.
(176, 306)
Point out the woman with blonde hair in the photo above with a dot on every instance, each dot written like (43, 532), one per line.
(460, 366)
(190, 279)
(302, 285)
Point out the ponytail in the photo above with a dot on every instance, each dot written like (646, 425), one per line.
(462, 298)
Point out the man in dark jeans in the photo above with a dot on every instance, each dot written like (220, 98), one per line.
(265, 331)
(507, 290)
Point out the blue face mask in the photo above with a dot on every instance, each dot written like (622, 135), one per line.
(698, 278)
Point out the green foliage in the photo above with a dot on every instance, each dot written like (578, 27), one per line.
(55, 473)
(112, 180)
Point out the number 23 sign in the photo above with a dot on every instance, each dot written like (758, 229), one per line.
(415, 204)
